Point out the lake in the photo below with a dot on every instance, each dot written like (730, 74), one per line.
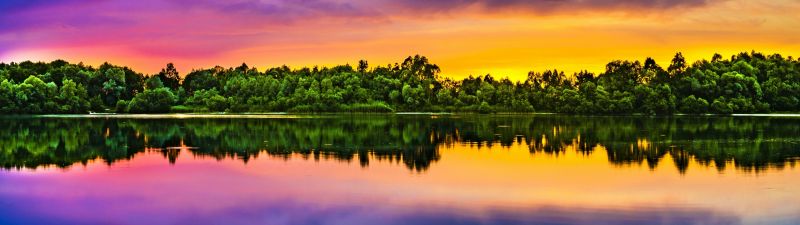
(399, 169)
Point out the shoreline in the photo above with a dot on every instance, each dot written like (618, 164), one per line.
(279, 115)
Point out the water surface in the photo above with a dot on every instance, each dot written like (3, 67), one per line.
(399, 169)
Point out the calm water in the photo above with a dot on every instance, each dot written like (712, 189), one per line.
(401, 169)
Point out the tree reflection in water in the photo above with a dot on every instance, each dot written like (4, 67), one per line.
(748, 143)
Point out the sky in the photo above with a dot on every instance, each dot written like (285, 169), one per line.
(506, 38)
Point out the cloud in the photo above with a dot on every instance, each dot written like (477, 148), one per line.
(20, 5)
(282, 10)
(200, 33)
(169, 28)
(548, 6)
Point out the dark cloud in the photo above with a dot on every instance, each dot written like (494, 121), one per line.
(548, 6)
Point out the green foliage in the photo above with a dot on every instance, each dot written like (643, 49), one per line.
(521, 105)
(96, 104)
(158, 100)
(747, 83)
(209, 99)
(655, 100)
(375, 107)
(34, 96)
(153, 83)
(721, 106)
(484, 108)
(113, 86)
(170, 77)
(8, 98)
(73, 98)
(184, 109)
(122, 106)
(694, 105)
(200, 80)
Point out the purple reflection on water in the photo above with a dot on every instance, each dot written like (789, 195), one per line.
(217, 193)
(22, 210)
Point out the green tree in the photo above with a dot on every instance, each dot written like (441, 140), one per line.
(157, 100)
(73, 98)
(209, 99)
(113, 86)
(8, 97)
(153, 83)
(678, 65)
(694, 105)
(170, 77)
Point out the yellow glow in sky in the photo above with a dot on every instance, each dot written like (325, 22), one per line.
(477, 38)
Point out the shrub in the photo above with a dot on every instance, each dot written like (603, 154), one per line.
(694, 105)
(157, 100)
(122, 106)
(369, 107)
(485, 108)
(721, 106)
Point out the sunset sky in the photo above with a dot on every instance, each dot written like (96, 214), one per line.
(501, 37)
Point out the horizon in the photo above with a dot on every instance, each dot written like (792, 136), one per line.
(568, 73)
(384, 112)
(478, 37)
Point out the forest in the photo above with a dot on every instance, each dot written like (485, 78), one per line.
(744, 83)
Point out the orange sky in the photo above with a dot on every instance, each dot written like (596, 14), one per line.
(501, 37)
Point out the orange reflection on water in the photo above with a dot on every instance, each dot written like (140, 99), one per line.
(469, 180)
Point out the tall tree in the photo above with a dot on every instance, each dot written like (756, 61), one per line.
(678, 65)
(170, 77)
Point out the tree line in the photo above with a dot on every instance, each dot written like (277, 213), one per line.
(745, 83)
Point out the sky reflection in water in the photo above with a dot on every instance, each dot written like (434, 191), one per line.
(400, 170)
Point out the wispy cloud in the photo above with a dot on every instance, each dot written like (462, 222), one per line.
(175, 28)
(458, 34)
(548, 6)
